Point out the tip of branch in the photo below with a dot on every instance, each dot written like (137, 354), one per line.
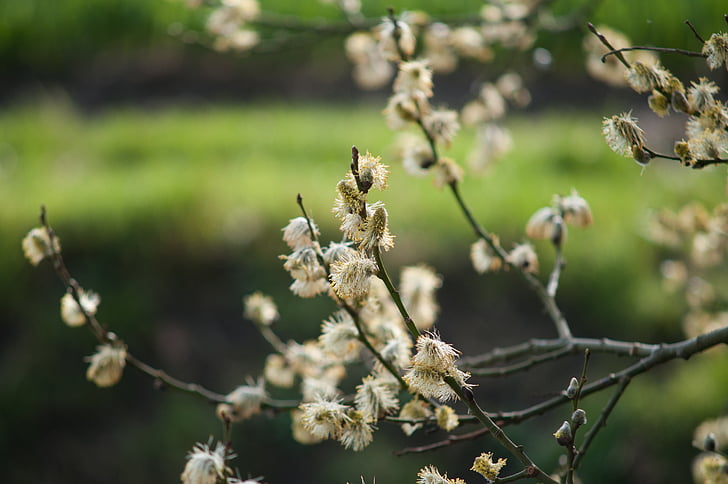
(591, 27)
(42, 215)
(299, 199)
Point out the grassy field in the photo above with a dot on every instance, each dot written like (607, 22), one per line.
(173, 214)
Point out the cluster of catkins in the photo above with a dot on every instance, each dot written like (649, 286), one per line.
(707, 117)
(698, 239)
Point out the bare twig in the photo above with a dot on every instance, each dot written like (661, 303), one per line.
(695, 32)
(532, 470)
(602, 421)
(607, 44)
(501, 371)
(451, 439)
(689, 53)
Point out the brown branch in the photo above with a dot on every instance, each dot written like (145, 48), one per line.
(608, 45)
(105, 336)
(695, 32)
(450, 440)
(673, 50)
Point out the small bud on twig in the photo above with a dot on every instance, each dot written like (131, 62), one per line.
(563, 435)
(572, 388)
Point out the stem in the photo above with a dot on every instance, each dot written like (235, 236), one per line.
(363, 338)
(602, 421)
(575, 345)
(105, 337)
(531, 469)
(395, 294)
(688, 53)
(695, 32)
(609, 46)
(163, 377)
(553, 284)
(562, 326)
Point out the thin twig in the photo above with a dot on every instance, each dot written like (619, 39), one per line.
(602, 421)
(662, 354)
(533, 471)
(395, 294)
(689, 53)
(105, 336)
(696, 164)
(695, 32)
(608, 45)
(553, 284)
(162, 377)
(575, 345)
(549, 303)
(501, 371)
(451, 439)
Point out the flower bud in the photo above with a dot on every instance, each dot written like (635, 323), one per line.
(572, 388)
(578, 418)
(658, 103)
(640, 155)
(710, 443)
(680, 102)
(563, 435)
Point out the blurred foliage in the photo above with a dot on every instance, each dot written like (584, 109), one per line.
(49, 40)
(172, 215)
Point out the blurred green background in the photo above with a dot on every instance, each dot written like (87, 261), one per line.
(168, 170)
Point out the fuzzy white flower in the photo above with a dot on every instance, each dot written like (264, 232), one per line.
(375, 231)
(433, 362)
(350, 275)
(716, 50)
(205, 466)
(430, 475)
(575, 210)
(106, 365)
(442, 125)
(415, 409)
(622, 134)
(339, 336)
(376, 397)
(372, 172)
(543, 224)
(447, 419)
(393, 40)
(71, 313)
(414, 79)
(277, 371)
(524, 257)
(260, 308)
(324, 419)
(485, 466)
(357, 431)
(417, 288)
(297, 234)
(245, 401)
(37, 245)
(483, 258)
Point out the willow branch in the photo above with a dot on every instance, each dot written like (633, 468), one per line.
(602, 421)
(575, 345)
(501, 371)
(450, 440)
(549, 303)
(608, 45)
(689, 53)
(696, 164)
(695, 32)
(532, 470)
(662, 354)
(395, 294)
(105, 336)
